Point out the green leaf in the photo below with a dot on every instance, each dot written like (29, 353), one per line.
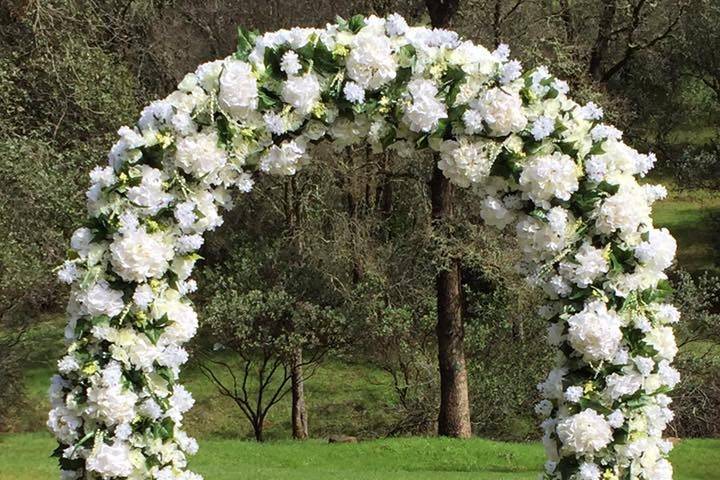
(245, 43)
(356, 23)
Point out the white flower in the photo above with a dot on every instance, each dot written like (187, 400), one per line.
(473, 59)
(589, 264)
(552, 387)
(494, 213)
(184, 321)
(595, 332)
(574, 393)
(275, 123)
(110, 461)
(465, 162)
(290, 63)
(138, 255)
(658, 252)
(395, 25)
(602, 131)
(542, 127)
(189, 243)
(68, 364)
(208, 74)
(669, 376)
(104, 176)
(301, 92)
(80, 241)
(100, 299)
(589, 471)
(425, 111)
(661, 470)
(511, 71)
(666, 313)
(616, 419)
(64, 424)
(619, 386)
(644, 365)
(371, 62)
(502, 111)
(662, 339)
(68, 272)
(546, 177)
(354, 93)
(143, 296)
(585, 433)
(614, 215)
(285, 159)
(111, 404)
(591, 112)
(200, 155)
(150, 194)
(544, 408)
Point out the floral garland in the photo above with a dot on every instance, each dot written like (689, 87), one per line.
(538, 160)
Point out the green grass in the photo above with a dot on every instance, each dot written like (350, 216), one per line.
(692, 216)
(25, 457)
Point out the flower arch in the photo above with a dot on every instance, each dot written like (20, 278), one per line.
(537, 159)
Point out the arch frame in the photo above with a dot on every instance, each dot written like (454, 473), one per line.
(537, 159)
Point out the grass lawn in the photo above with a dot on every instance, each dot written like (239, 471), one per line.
(25, 457)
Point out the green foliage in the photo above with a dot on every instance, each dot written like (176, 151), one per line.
(392, 459)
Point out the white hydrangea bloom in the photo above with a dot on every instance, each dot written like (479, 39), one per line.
(465, 162)
(425, 111)
(613, 214)
(619, 385)
(502, 111)
(200, 155)
(150, 194)
(354, 93)
(585, 433)
(546, 177)
(290, 63)
(658, 252)
(588, 265)
(595, 332)
(371, 62)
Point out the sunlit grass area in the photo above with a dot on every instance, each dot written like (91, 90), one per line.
(25, 457)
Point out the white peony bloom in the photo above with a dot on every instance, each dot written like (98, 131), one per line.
(64, 424)
(425, 111)
(661, 470)
(546, 177)
(585, 433)
(465, 162)
(200, 155)
(595, 332)
(100, 299)
(189, 243)
(502, 111)
(302, 92)
(371, 62)
(285, 159)
(662, 339)
(110, 402)
(110, 461)
(137, 256)
(589, 264)
(658, 252)
(184, 321)
(150, 194)
(208, 75)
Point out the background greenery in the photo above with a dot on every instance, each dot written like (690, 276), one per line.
(349, 239)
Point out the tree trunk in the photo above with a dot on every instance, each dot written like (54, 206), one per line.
(299, 413)
(599, 49)
(454, 417)
(258, 429)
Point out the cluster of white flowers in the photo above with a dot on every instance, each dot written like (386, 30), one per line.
(538, 159)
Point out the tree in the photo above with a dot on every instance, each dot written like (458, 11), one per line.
(454, 415)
